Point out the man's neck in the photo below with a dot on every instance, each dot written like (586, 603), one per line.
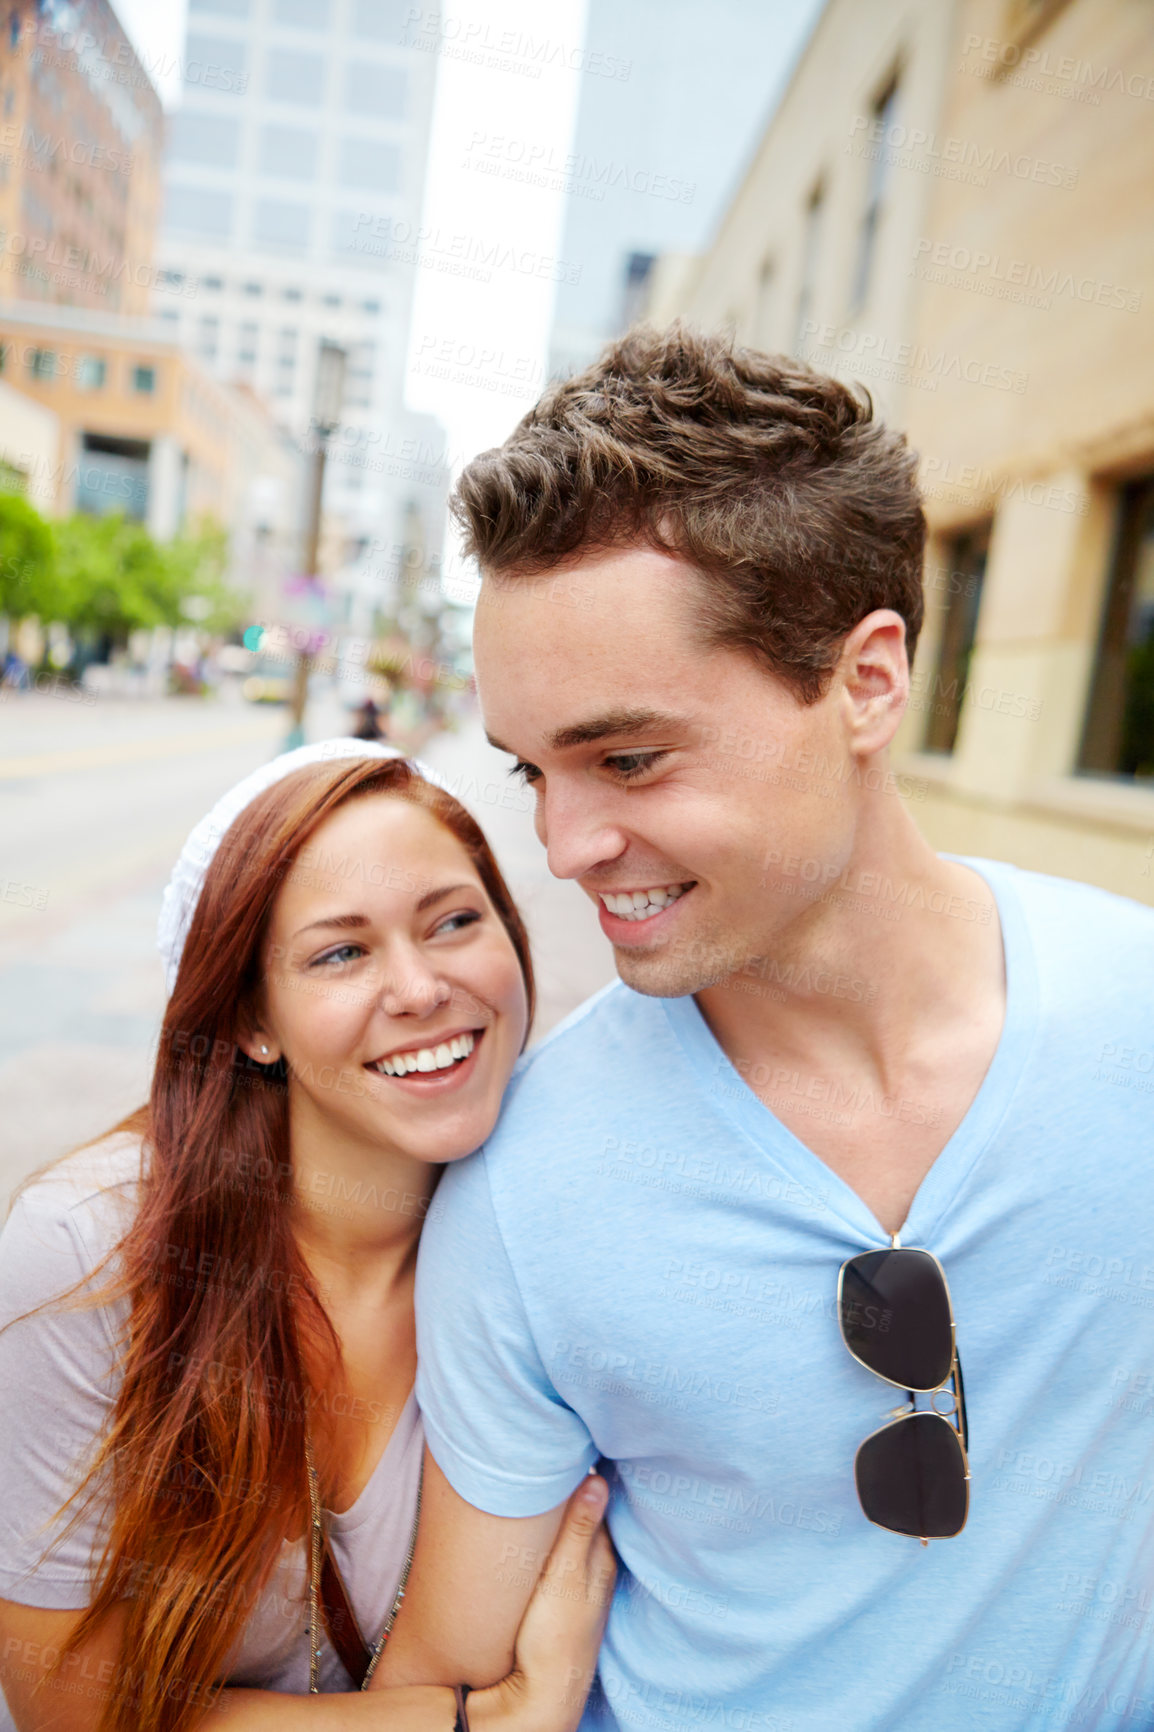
(889, 987)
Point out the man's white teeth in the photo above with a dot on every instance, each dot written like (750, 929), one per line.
(427, 1058)
(642, 904)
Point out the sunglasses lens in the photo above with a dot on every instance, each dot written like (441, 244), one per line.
(895, 1317)
(911, 1478)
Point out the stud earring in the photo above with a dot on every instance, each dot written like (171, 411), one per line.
(264, 1049)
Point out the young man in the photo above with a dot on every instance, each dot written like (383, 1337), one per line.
(701, 592)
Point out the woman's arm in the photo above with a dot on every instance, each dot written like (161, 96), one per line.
(73, 1699)
(556, 1655)
(484, 1600)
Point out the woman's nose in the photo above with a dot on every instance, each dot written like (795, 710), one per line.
(415, 997)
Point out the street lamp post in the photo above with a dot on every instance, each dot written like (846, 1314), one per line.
(327, 397)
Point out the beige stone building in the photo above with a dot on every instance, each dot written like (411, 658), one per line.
(952, 204)
(81, 140)
(143, 428)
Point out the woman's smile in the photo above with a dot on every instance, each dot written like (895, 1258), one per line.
(444, 1062)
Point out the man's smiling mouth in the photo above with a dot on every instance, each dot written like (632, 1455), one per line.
(638, 905)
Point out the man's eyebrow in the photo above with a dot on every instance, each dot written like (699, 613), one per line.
(607, 726)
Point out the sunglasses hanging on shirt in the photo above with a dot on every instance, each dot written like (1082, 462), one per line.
(913, 1475)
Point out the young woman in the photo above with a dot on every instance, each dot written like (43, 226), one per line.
(210, 1449)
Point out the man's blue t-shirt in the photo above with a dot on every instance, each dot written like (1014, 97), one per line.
(641, 1266)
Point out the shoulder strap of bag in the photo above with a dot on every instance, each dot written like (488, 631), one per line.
(340, 1620)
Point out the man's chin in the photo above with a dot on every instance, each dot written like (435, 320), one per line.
(656, 974)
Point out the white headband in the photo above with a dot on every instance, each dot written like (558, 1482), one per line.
(183, 889)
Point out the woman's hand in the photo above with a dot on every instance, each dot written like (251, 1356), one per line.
(560, 1634)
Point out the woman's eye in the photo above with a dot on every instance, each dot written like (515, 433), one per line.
(527, 772)
(343, 953)
(627, 765)
(457, 922)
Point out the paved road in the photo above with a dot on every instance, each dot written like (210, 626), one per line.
(95, 803)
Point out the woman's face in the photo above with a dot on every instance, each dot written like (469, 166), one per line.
(390, 985)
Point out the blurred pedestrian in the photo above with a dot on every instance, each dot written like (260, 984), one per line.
(368, 722)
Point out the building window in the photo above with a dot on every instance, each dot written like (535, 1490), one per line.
(217, 63)
(960, 577)
(198, 210)
(294, 77)
(763, 309)
(1119, 736)
(42, 363)
(305, 14)
(369, 164)
(144, 380)
(292, 295)
(252, 289)
(330, 300)
(207, 140)
(810, 246)
(381, 20)
(289, 152)
(112, 475)
(370, 306)
(278, 223)
(212, 283)
(246, 353)
(91, 372)
(372, 87)
(884, 111)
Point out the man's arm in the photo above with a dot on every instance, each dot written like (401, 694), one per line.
(471, 1580)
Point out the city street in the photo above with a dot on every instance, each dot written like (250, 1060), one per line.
(96, 799)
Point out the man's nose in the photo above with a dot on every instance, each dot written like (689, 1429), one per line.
(577, 831)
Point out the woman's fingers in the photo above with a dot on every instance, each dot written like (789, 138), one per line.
(581, 1563)
(563, 1624)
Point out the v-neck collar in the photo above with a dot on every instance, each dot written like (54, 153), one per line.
(937, 1191)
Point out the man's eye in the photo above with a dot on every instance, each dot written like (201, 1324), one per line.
(527, 772)
(629, 765)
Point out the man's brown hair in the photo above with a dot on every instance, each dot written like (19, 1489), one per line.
(772, 479)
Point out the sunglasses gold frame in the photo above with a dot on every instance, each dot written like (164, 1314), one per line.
(955, 1418)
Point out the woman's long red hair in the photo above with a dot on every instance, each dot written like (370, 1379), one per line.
(204, 1460)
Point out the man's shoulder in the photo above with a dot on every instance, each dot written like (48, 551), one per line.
(1092, 951)
(1072, 916)
(586, 1070)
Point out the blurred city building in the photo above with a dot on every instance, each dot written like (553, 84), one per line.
(142, 428)
(951, 205)
(81, 135)
(29, 449)
(670, 106)
(294, 177)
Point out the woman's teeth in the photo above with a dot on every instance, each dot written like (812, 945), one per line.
(426, 1058)
(643, 904)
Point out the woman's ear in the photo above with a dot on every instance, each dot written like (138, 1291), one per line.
(259, 1046)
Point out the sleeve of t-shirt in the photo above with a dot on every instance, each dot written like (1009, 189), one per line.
(503, 1437)
(56, 1379)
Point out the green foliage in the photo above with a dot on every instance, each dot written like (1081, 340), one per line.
(106, 576)
(27, 581)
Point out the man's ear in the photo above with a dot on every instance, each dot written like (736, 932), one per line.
(874, 673)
